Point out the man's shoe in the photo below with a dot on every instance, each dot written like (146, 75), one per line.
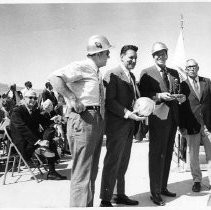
(196, 187)
(168, 193)
(123, 199)
(53, 175)
(156, 198)
(105, 204)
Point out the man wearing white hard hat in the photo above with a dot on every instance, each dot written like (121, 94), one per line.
(80, 84)
(161, 84)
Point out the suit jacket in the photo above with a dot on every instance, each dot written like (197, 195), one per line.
(120, 96)
(49, 95)
(151, 83)
(25, 126)
(196, 111)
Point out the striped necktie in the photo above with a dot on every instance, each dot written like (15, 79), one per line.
(164, 74)
(196, 88)
(101, 94)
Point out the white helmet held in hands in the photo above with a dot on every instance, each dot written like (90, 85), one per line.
(144, 106)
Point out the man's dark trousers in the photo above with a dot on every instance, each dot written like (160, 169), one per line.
(162, 137)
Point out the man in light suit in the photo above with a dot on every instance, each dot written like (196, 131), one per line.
(121, 93)
(158, 82)
(196, 119)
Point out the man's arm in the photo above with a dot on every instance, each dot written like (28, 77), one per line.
(60, 86)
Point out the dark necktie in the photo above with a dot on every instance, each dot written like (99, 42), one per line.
(196, 88)
(135, 88)
(101, 94)
(165, 77)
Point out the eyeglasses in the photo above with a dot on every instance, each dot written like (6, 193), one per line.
(194, 66)
(32, 97)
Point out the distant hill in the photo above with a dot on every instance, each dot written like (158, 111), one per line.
(5, 87)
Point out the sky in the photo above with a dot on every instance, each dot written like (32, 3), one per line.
(36, 39)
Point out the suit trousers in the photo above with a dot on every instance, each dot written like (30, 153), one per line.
(116, 161)
(161, 142)
(85, 136)
(193, 142)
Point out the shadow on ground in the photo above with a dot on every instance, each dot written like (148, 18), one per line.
(181, 188)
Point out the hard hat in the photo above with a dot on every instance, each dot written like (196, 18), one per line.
(97, 43)
(144, 106)
(158, 46)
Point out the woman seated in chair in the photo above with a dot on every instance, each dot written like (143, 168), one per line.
(52, 129)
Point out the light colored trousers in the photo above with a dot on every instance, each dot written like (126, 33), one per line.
(193, 142)
(85, 136)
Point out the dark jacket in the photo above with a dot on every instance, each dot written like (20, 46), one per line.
(120, 96)
(49, 95)
(195, 111)
(25, 127)
(152, 83)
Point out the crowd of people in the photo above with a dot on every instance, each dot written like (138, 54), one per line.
(88, 106)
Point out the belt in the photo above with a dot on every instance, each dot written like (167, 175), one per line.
(95, 108)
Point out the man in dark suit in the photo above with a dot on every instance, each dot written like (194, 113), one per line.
(196, 119)
(158, 82)
(24, 125)
(49, 94)
(121, 93)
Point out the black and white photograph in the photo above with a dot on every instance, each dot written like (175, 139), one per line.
(105, 104)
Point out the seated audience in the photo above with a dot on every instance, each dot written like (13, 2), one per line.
(25, 132)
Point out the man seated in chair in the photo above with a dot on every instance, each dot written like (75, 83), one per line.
(25, 132)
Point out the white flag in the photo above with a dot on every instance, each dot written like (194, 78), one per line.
(179, 56)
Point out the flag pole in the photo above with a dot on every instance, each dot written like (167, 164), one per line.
(181, 21)
(179, 55)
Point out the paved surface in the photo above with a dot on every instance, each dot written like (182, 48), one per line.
(20, 191)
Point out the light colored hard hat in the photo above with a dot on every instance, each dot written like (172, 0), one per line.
(158, 46)
(97, 43)
(144, 106)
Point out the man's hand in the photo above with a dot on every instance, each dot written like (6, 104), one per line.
(166, 96)
(44, 143)
(183, 131)
(135, 117)
(77, 105)
(181, 99)
(57, 119)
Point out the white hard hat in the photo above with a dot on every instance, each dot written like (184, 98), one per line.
(158, 46)
(97, 43)
(144, 105)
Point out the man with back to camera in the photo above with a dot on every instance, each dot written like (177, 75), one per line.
(121, 93)
(158, 82)
(196, 120)
(49, 94)
(80, 84)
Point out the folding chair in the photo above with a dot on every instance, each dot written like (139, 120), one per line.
(19, 156)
